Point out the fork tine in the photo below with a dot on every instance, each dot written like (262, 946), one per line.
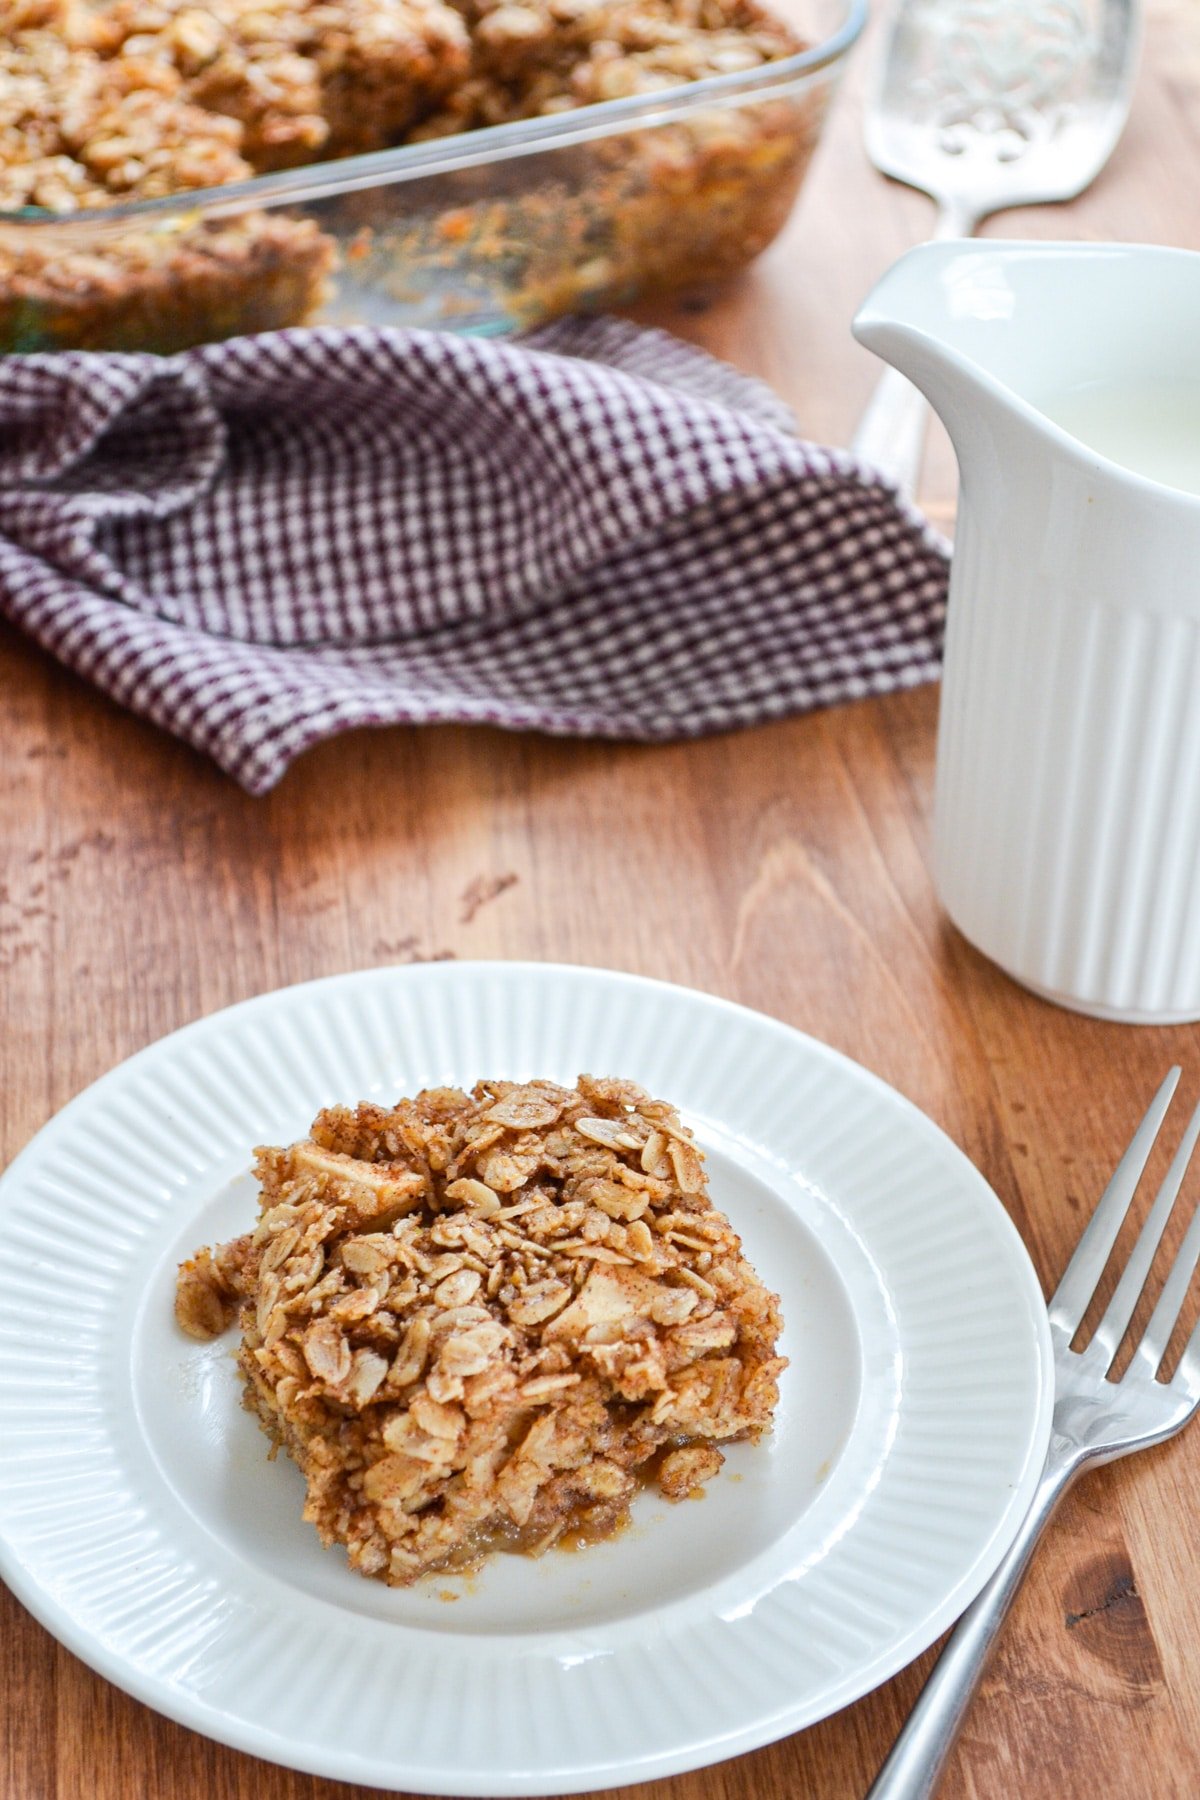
(1085, 1268)
(1115, 1323)
(1164, 1318)
(1187, 1375)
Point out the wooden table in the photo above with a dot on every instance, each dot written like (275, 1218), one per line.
(786, 868)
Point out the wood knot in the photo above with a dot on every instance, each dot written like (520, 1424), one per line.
(1105, 1614)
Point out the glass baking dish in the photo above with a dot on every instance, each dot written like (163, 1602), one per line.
(485, 231)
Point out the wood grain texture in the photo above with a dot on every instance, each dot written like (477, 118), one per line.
(786, 868)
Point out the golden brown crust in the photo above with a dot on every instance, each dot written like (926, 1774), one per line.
(471, 1319)
(531, 57)
(160, 293)
(306, 79)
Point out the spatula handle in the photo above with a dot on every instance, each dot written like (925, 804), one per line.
(891, 432)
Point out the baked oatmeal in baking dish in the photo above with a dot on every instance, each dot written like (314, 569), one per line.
(477, 1321)
(112, 110)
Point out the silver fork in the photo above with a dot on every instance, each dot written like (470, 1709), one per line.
(1095, 1420)
(982, 105)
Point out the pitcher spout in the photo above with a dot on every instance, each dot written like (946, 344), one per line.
(918, 318)
(996, 334)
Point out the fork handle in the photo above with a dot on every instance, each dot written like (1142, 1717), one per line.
(912, 1770)
(891, 432)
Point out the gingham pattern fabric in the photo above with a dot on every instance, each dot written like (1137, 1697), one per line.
(595, 530)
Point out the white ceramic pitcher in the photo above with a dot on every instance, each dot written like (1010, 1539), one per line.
(1067, 809)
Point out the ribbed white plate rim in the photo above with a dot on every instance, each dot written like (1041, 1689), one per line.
(766, 1715)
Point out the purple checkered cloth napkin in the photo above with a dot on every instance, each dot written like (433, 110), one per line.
(593, 530)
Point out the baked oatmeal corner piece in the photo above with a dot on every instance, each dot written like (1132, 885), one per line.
(385, 65)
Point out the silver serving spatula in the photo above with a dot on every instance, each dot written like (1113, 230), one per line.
(982, 105)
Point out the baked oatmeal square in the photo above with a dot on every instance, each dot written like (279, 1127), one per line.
(477, 1321)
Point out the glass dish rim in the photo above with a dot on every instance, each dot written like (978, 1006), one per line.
(463, 149)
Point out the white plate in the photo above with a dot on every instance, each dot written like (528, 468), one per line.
(142, 1524)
